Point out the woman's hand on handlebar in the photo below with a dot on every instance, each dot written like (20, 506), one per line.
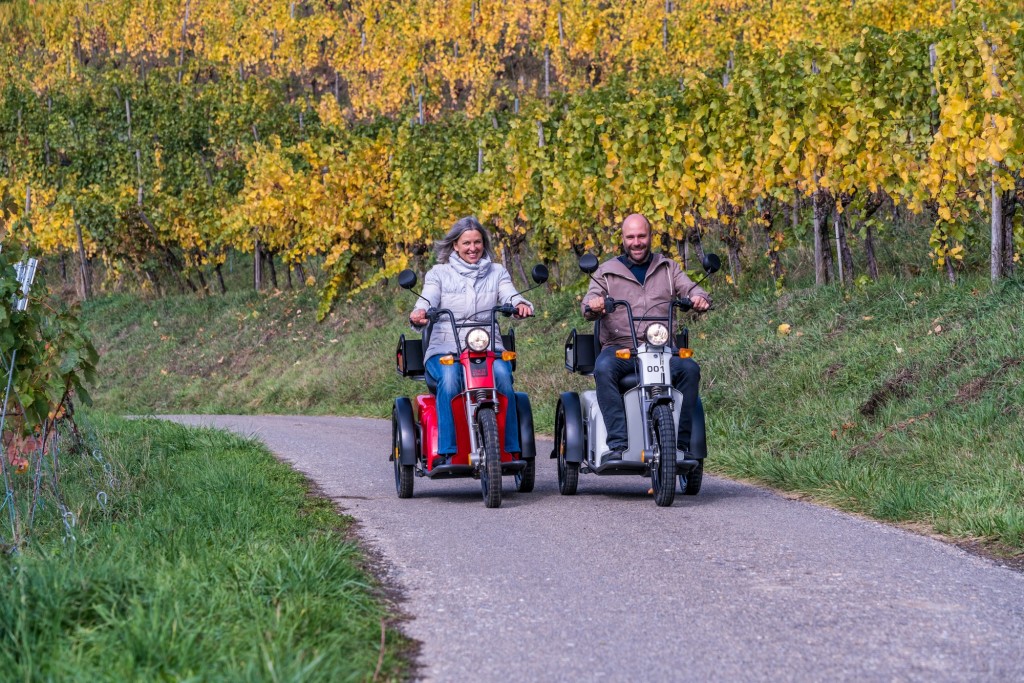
(700, 303)
(418, 318)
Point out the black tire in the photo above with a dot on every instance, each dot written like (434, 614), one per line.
(490, 473)
(568, 472)
(526, 477)
(690, 483)
(403, 473)
(663, 475)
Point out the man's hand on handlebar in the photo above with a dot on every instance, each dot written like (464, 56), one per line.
(596, 305)
(700, 303)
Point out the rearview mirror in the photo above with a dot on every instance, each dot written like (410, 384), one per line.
(539, 273)
(711, 263)
(588, 263)
(407, 279)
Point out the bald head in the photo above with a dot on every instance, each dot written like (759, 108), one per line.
(636, 238)
(636, 221)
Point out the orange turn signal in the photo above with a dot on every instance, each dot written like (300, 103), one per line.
(446, 360)
(624, 354)
(685, 353)
(508, 355)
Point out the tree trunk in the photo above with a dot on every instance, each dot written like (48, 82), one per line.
(684, 252)
(822, 255)
(842, 246)
(768, 221)
(220, 279)
(693, 237)
(269, 255)
(733, 242)
(869, 251)
(288, 276)
(301, 272)
(84, 265)
(257, 266)
(1009, 209)
(795, 208)
(506, 257)
(997, 231)
(517, 259)
(202, 282)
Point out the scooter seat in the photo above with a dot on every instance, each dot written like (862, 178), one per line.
(629, 381)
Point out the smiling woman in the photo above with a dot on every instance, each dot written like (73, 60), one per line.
(466, 281)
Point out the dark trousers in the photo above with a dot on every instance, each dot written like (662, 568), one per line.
(608, 370)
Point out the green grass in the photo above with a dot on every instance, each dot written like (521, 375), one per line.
(863, 405)
(210, 561)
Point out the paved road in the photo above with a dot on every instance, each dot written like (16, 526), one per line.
(737, 584)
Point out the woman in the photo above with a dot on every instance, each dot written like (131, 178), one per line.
(466, 281)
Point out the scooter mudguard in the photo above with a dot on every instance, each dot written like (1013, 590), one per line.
(526, 437)
(406, 431)
(574, 436)
(698, 432)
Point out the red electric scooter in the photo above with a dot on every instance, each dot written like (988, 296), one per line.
(479, 411)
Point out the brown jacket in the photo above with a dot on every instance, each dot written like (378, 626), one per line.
(665, 281)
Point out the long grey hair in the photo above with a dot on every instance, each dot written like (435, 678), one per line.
(444, 246)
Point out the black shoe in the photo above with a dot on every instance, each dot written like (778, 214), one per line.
(442, 459)
(613, 454)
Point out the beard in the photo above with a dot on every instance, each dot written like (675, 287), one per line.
(639, 257)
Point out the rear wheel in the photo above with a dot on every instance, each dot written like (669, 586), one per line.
(568, 472)
(490, 473)
(690, 482)
(663, 474)
(403, 473)
(526, 477)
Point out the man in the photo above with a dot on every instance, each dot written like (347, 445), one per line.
(649, 282)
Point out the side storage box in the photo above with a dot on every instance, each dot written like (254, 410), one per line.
(579, 353)
(409, 357)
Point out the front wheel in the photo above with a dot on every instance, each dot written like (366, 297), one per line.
(663, 473)
(568, 472)
(490, 473)
(690, 482)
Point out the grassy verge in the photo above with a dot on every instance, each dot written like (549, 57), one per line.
(901, 400)
(209, 561)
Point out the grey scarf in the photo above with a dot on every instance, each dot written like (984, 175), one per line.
(472, 271)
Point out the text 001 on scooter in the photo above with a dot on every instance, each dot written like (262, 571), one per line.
(652, 406)
(479, 410)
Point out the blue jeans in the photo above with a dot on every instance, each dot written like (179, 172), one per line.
(608, 370)
(449, 385)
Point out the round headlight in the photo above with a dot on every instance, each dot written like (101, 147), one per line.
(478, 339)
(657, 334)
